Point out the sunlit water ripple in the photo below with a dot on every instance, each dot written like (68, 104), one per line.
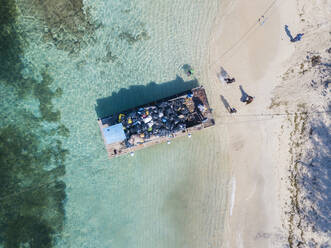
(165, 196)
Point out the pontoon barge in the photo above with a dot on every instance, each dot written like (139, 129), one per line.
(156, 122)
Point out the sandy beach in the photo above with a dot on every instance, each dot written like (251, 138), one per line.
(251, 44)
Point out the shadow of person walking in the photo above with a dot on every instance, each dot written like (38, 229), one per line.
(227, 105)
(244, 95)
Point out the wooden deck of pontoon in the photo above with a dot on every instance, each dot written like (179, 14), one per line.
(119, 148)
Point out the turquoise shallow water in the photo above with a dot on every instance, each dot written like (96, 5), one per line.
(70, 64)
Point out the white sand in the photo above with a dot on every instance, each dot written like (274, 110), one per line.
(233, 194)
(256, 55)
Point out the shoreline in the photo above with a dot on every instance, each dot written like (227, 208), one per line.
(253, 216)
(263, 196)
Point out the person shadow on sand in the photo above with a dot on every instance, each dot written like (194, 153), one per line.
(244, 96)
(226, 104)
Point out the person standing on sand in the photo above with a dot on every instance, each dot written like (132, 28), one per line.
(229, 80)
(261, 20)
(190, 72)
(248, 99)
(232, 110)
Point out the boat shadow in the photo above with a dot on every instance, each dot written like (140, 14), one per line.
(137, 95)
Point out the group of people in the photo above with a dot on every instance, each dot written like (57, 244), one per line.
(224, 77)
(245, 98)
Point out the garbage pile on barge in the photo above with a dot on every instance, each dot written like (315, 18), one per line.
(163, 119)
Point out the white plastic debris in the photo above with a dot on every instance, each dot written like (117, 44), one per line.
(148, 119)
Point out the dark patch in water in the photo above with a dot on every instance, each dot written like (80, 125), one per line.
(61, 130)
(11, 47)
(109, 57)
(131, 38)
(32, 159)
(19, 231)
(137, 95)
(31, 196)
(11, 52)
(68, 26)
(44, 94)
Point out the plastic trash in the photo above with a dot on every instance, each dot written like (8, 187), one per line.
(120, 117)
(201, 107)
(128, 144)
(148, 119)
(133, 130)
(144, 127)
(184, 111)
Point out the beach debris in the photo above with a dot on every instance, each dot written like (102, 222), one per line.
(189, 135)
(131, 154)
(296, 38)
(224, 77)
(168, 142)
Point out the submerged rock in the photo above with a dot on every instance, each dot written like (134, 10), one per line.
(68, 24)
(32, 193)
(131, 38)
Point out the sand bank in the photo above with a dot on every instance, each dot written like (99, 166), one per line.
(250, 43)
